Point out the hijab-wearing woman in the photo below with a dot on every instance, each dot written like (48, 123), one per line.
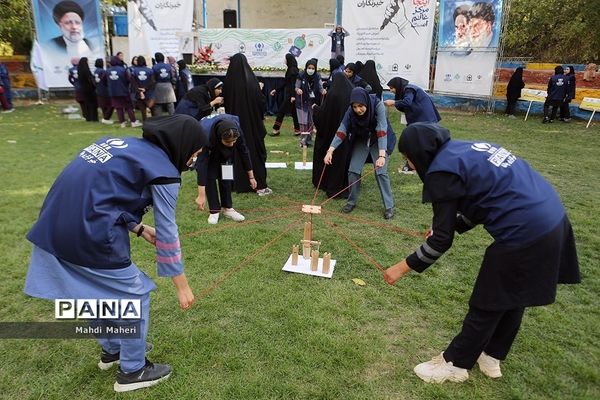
(335, 67)
(416, 105)
(244, 98)
(185, 82)
(291, 74)
(165, 77)
(327, 118)
(201, 100)
(309, 90)
(142, 84)
(81, 244)
(87, 85)
(513, 91)
(102, 92)
(118, 89)
(355, 80)
(565, 112)
(470, 183)
(369, 74)
(366, 128)
(224, 135)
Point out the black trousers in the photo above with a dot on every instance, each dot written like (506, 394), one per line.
(511, 105)
(565, 112)
(491, 331)
(212, 195)
(285, 107)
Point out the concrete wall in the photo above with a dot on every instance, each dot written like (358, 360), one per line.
(273, 13)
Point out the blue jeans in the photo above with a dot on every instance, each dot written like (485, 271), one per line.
(357, 163)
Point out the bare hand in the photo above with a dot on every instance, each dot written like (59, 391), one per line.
(395, 272)
(299, 92)
(253, 183)
(186, 297)
(217, 101)
(201, 202)
(293, 99)
(328, 157)
(380, 162)
(272, 92)
(149, 234)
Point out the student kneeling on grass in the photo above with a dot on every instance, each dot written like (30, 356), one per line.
(472, 183)
(214, 165)
(81, 246)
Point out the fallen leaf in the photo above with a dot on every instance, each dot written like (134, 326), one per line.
(359, 282)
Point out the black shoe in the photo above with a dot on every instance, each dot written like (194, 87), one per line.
(545, 120)
(347, 208)
(107, 360)
(389, 213)
(149, 375)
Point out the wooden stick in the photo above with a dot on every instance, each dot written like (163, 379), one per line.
(314, 260)
(326, 262)
(295, 254)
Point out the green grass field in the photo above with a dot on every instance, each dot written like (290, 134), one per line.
(256, 332)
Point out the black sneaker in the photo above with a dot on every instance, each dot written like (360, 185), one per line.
(347, 208)
(107, 360)
(149, 375)
(389, 213)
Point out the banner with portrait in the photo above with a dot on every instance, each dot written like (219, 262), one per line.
(153, 26)
(264, 47)
(396, 34)
(468, 37)
(66, 29)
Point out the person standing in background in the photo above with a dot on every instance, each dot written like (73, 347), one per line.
(142, 84)
(185, 82)
(565, 112)
(87, 86)
(102, 95)
(337, 41)
(309, 89)
(513, 91)
(291, 74)
(118, 78)
(557, 91)
(5, 90)
(165, 77)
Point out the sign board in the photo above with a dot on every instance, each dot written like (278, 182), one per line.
(533, 95)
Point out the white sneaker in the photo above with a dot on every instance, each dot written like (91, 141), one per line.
(264, 192)
(123, 124)
(213, 218)
(8, 111)
(106, 121)
(438, 370)
(489, 365)
(136, 124)
(234, 215)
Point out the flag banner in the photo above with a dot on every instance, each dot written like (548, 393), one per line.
(153, 26)
(396, 34)
(264, 47)
(468, 37)
(66, 30)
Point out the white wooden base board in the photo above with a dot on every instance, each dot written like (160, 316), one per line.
(303, 267)
(273, 165)
(298, 165)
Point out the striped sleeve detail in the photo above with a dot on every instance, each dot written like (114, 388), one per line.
(167, 246)
(428, 255)
(168, 259)
(341, 135)
(381, 134)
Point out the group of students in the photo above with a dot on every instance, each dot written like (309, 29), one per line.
(561, 91)
(81, 246)
(124, 88)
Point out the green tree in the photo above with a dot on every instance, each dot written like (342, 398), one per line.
(16, 27)
(566, 31)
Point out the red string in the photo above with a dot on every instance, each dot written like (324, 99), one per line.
(318, 185)
(357, 247)
(245, 261)
(408, 232)
(353, 183)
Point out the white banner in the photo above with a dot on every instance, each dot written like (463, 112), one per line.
(153, 26)
(396, 34)
(65, 30)
(469, 33)
(266, 47)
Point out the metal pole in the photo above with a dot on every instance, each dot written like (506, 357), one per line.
(204, 15)
(239, 22)
(339, 5)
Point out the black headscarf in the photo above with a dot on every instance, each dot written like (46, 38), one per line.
(333, 65)
(558, 70)
(312, 62)
(141, 61)
(213, 83)
(351, 67)
(359, 66)
(116, 61)
(179, 135)
(420, 143)
(360, 95)
(205, 93)
(244, 98)
(340, 58)
(571, 70)
(327, 118)
(159, 57)
(399, 84)
(86, 79)
(99, 63)
(515, 84)
(181, 64)
(65, 7)
(369, 74)
(292, 64)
